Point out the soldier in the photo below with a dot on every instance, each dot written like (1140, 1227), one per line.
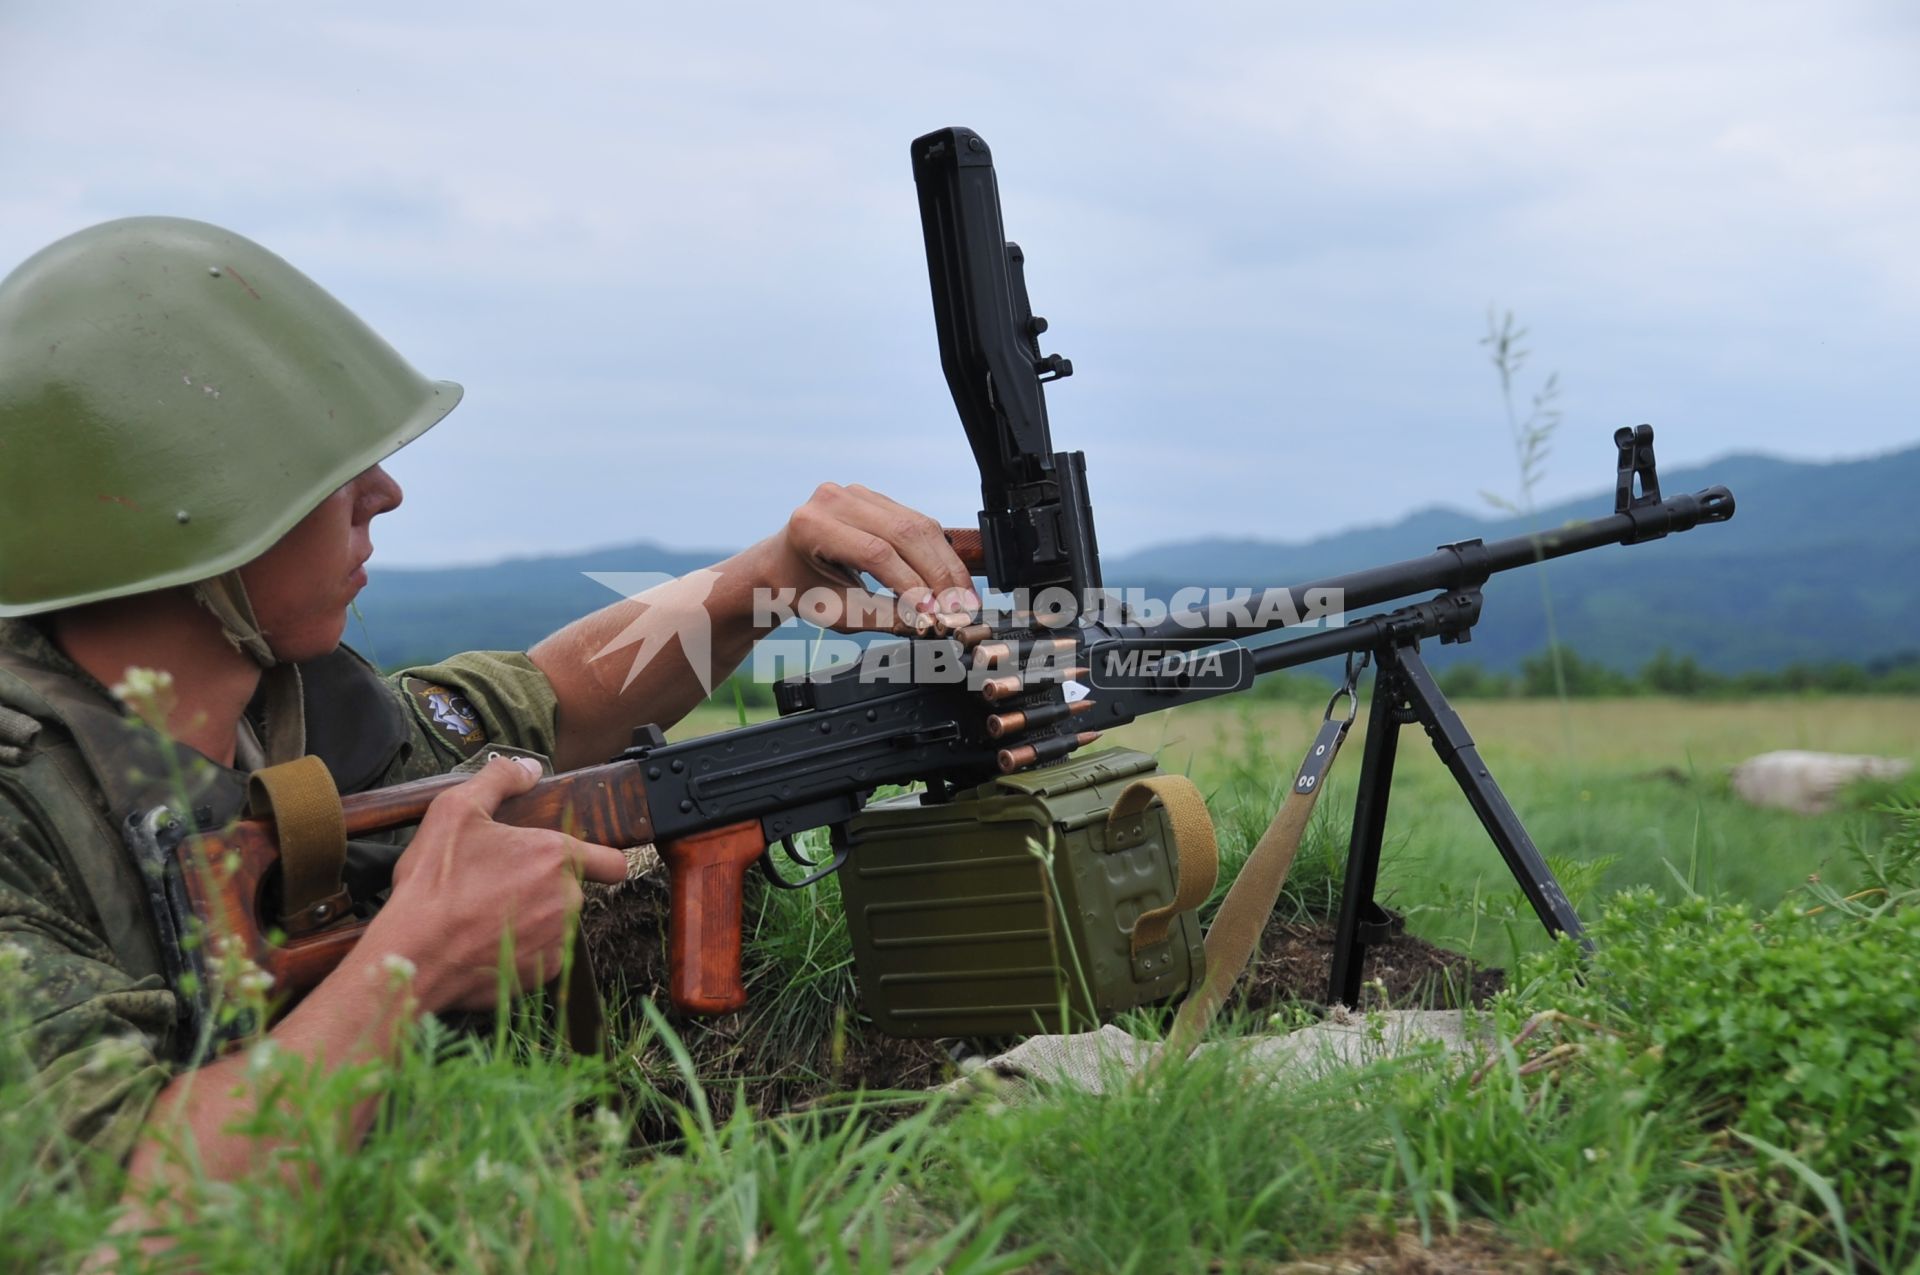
(191, 434)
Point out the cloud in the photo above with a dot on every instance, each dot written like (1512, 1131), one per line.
(679, 268)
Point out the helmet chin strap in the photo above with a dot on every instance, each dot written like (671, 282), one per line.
(279, 701)
(226, 596)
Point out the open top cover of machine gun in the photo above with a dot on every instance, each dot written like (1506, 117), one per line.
(1036, 526)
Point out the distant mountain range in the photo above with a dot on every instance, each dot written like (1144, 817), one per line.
(1821, 562)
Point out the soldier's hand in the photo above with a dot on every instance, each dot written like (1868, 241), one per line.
(844, 530)
(465, 881)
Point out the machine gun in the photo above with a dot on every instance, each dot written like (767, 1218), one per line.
(1010, 700)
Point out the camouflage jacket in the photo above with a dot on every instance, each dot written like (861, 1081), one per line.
(82, 982)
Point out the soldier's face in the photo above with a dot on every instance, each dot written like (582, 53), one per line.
(300, 588)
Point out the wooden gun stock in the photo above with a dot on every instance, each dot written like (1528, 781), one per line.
(226, 877)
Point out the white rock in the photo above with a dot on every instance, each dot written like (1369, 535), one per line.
(1092, 1060)
(1806, 782)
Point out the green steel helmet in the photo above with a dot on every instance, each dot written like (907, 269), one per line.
(173, 399)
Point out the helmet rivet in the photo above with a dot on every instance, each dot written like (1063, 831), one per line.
(182, 517)
(214, 271)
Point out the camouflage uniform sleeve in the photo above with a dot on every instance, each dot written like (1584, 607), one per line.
(478, 698)
(89, 1037)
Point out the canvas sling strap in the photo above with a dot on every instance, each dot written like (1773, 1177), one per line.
(1250, 900)
(301, 799)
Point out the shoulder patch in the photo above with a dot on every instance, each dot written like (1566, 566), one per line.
(447, 712)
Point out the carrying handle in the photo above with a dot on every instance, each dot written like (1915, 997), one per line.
(967, 543)
(1195, 847)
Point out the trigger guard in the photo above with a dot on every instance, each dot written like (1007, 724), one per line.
(772, 874)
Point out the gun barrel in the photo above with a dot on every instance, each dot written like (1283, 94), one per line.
(1457, 566)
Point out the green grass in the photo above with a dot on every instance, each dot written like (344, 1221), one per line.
(1642, 796)
(1737, 1095)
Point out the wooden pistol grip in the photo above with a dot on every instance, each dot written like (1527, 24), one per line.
(966, 543)
(705, 875)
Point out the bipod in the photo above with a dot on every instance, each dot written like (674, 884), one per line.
(1404, 692)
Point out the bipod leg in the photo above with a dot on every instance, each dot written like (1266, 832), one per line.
(1456, 748)
(1362, 921)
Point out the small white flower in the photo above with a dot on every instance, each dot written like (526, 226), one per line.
(422, 1169)
(143, 681)
(147, 691)
(609, 1127)
(399, 969)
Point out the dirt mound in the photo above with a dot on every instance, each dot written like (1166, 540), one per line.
(1296, 959)
(741, 1054)
(755, 1053)
(1475, 1249)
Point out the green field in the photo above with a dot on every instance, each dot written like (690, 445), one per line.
(1728, 1085)
(1637, 788)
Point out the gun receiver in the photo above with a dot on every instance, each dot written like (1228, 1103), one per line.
(714, 804)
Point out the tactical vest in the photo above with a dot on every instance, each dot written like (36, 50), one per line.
(79, 767)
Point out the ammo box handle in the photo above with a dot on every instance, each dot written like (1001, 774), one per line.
(1196, 850)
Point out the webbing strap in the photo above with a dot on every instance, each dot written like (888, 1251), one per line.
(17, 730)
(300, 797)
(1243, 914)
(1196, 851)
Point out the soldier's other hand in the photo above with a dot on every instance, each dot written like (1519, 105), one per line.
(843, 530)
(465, 882)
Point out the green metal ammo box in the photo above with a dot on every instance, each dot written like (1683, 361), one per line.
(959, 931)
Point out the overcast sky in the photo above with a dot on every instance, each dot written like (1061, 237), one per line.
(673, 253)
